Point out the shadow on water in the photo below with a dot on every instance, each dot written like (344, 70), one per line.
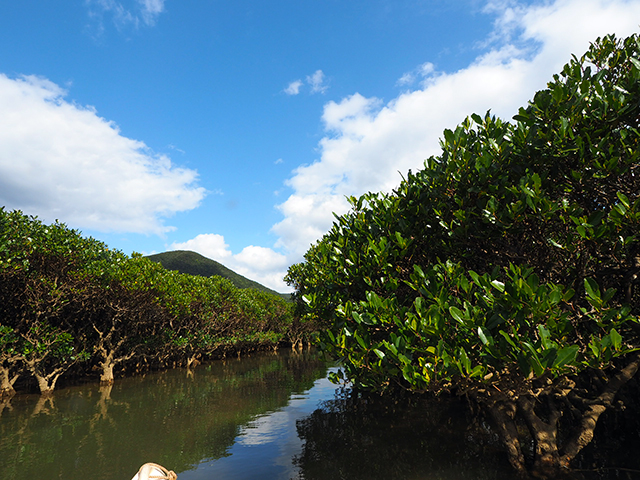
(409, 440)
(420, 438)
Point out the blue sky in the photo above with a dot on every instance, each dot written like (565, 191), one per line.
(236, 128)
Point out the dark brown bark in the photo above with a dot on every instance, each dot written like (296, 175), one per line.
(584, 433)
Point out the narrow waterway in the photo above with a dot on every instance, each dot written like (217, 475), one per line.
(268, 416)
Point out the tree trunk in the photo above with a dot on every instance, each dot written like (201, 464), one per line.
(546, 458)
(4, 403)
(6, 382)
(106, 377)
(110, 360)
(503, 415)
(47, 384)
(193, 362)
(584, 433)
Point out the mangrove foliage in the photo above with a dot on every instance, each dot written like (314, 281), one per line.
(506, 270)
(70, 306)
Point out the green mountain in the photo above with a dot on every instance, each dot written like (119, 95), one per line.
(195, 264)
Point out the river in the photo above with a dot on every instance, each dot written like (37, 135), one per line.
(267, 416)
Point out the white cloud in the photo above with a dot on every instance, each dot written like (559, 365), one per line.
(293, 88)
(421, 71)
(127, 13)
(316, 81)
(210, 245)
(150, 10)
(62, 161)
(260, 264)
(406, 79)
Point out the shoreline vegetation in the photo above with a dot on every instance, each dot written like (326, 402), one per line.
(72, 309)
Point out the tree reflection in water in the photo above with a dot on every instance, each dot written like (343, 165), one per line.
(214, 419)
(367, 437)
(176, 418)
(358, 437)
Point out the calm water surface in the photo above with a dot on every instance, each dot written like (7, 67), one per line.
(272, 416)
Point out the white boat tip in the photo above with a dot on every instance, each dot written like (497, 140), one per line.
(153, 471)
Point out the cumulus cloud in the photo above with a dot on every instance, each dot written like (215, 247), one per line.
(261, 264)
(368, 143)
(62, 161)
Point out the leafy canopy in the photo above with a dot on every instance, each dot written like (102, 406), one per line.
(512, 255)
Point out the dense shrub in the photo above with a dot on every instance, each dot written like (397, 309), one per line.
(69, 303)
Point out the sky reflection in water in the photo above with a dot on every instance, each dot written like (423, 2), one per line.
(266, 446)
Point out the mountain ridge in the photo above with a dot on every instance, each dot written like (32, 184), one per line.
(193, 263)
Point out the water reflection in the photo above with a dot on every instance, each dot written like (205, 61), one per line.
(177, 418)
(266, 446)
(262, 417)
(409, 440)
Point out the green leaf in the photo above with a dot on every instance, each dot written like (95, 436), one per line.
(555, 296)
(566, 355)
(408, 373)
(616, 339)
(592, 289)
(581, 231)
(498, 285)
(555, 244)
(608, 295)
(476, 118)
(620, 208)
(483, 337)
(568, 295)
(549, 356)
(508, 339)
(544, 336)
(449, 136)
(595, 219)
(465, 363)
(623, 198)
(457, 314)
